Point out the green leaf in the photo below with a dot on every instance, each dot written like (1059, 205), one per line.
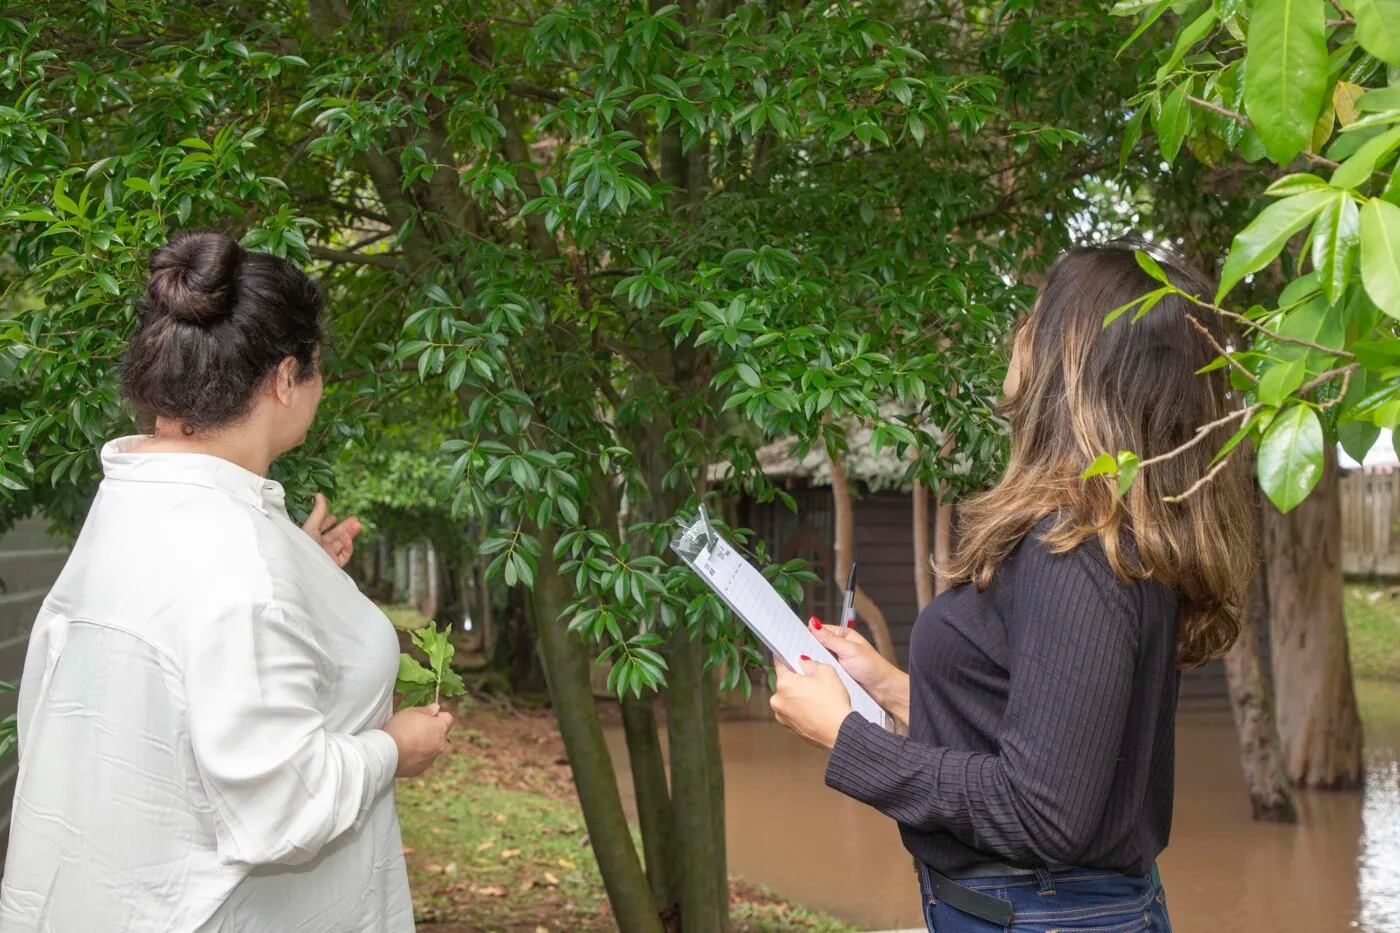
(1285, 73)
(1150, 266)
(1357, 438)
(1103, 464)
(1152, 16)
(1280, 380)
(1256, 245)
(1357, 169)
(1380, 254)
(1335, 235)
(194, 143)
(1290, 457)
(1378, 27)
(1128, 466)
(748, 374)
(1172, 124)
(411, 672)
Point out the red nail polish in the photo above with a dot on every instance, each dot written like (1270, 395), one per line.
(816, 623)
(805, 658)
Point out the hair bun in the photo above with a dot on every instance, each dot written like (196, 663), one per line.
(192, 277)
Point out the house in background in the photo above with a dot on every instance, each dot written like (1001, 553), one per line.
(883, 510)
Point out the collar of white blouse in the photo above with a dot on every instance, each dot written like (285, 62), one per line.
(121, 461)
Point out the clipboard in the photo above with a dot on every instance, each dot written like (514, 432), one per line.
(760, 607)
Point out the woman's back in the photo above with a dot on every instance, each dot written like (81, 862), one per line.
(196, 642)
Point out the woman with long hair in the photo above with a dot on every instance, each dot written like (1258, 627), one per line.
(1034, 786)
(205, 738)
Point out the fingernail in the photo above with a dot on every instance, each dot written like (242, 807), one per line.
(816, 623)
(805, 658)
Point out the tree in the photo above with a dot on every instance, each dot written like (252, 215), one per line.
(622, 242)
(1308, 85)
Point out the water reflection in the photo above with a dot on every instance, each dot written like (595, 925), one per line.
(1337, 872)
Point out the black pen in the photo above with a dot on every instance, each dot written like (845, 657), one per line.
(848, 611)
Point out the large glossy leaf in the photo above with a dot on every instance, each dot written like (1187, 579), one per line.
(1255, 246)
(1335, 234)
(1358, 168)
(1378, 27)
(1172, 124)
(1285, 73)
(1358, 437)
(1380, 254)
(1290, 458)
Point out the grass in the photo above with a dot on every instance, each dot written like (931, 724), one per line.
(404, 618)
(495, 841)
(1373, 630)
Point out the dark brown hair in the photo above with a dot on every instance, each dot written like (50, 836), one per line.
(1087, 389)
(216, 321)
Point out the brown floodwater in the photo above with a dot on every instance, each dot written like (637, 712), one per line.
(1338, 871)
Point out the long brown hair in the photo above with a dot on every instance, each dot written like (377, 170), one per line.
(1086, 389)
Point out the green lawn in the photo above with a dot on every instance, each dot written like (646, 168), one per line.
(495, 841)
(1373, 628)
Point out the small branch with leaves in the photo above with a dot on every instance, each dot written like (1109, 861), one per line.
(421, 685)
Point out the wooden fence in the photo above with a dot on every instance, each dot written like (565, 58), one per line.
(1371, 521)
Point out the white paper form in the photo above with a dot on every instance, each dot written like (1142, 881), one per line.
(746, 591)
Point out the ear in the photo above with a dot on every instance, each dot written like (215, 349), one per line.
(284, 380)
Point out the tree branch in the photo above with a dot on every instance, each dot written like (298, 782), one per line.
(390, 261)
(1204, 481)
(1202, 433)
(1242, 120)
(1272, 335)
(1215, 345)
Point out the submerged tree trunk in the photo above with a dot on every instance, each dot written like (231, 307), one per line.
(1318, 720)
(655, 817)
(1270, 794)
(567, 666)
(844, 551)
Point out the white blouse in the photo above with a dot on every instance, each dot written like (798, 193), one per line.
(199, 722)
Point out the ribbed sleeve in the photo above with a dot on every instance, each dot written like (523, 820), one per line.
(1043, 795)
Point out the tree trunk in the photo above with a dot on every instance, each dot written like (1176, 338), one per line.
(715, 757)
(654, 814)
(1317, 716)
(432, 584)
(692, 788)
(483, 620)
(1270, 794)
(844, 552)
(942, 541)
(567, 668)
(923, 574)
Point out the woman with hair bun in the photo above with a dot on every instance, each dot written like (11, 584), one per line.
(205, 730)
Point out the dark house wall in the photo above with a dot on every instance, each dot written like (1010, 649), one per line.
(884, 551)
(30, 561)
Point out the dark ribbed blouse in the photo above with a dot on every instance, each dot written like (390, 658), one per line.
(1042, 721)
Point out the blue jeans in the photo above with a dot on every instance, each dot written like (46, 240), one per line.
(1078, 900)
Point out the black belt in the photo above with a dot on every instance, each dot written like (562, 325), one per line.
(975, 903)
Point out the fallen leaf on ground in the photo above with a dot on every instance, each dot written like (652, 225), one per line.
(541, 929)
(490, 890)
(565, 863)
(435, 869)
(550, 879)
(408, 850)
(500, 817)
(450, 868)
(485, 845)
(510, 853)
(526, 885)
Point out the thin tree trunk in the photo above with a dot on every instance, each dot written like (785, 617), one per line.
(1270, 794)
(942, 540)
(484, 622)
(844, 553)
(692, 789)
(1318, 720)
(432, 584)
(715, 758)
(923, 572)
(567, 667)
(654, 814)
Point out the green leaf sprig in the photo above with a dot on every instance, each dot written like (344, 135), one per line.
(423, 685)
